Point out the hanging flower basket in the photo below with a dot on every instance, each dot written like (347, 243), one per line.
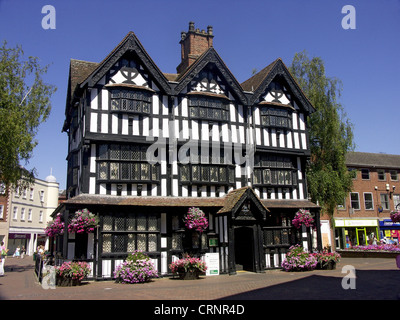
(395, 216)
(196, 219)
(303, 217)
(55, 227)
(83, 221)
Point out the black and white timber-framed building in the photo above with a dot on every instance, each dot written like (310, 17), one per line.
(144, 146)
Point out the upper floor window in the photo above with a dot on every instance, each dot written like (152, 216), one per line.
(355, 200)
(209, 108)
(31, 193)
(381, 174)
(2, 188)
(130, 101)
(1, 211)
(276, 117)
(368, 201)
(274, 170)
(394, 175)
(365, 174)
(213, 167)
(125, 162)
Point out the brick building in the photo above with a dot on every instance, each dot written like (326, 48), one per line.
(365, 213)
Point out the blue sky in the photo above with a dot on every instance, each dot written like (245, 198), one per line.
(248, 35)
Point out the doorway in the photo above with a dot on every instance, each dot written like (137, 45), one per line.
(244, 249)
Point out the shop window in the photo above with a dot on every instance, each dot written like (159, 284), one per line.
(365, 174)
(355, 201)
(381, 175)
(385, 201)
(368, 201)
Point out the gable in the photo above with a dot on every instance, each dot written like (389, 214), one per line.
(210, 75)
(275, 84)
(129, 63)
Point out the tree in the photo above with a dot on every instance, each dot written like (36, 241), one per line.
(330, 132)
(24, 105)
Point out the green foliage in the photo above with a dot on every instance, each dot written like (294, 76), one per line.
(24, 105)
(330, 132)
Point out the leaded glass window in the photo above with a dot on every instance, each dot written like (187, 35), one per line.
(130, 101)
(126, 233)
(274, 117)
(274, 170)
(208, 108)
(125, 162)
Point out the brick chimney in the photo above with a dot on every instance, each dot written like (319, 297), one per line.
(193, 44)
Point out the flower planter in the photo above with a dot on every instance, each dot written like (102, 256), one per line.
(330, 265)
(67, 282)
(189, 275)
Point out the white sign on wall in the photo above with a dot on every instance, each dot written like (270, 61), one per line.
(212, 263)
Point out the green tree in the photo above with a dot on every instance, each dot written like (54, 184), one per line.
(330, 132)
(24, 105)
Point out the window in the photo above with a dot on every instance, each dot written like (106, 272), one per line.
(365, 174)
(31, 193)
(205, 173)
(381, 174)
(135, 231)
(23, 214)
(274, 170)
(29, 214)
(385, 201)
(40, 216)
(368, 201)
(2, 188)
(24, 193)
(130, 101)
(393, 175)
(396, 201)
(41, 195)
(15, 213)
(207, 108)
(274, 117)
(355, 201)
(1, 211)
(126, 163)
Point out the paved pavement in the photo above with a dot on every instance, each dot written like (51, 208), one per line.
(375, 279)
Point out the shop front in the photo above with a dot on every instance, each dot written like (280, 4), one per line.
(389, 230)
(355, 232)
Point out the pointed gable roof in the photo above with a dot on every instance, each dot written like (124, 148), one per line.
(129, 44)
(210, 56)
(235, 199)
(260, 81)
